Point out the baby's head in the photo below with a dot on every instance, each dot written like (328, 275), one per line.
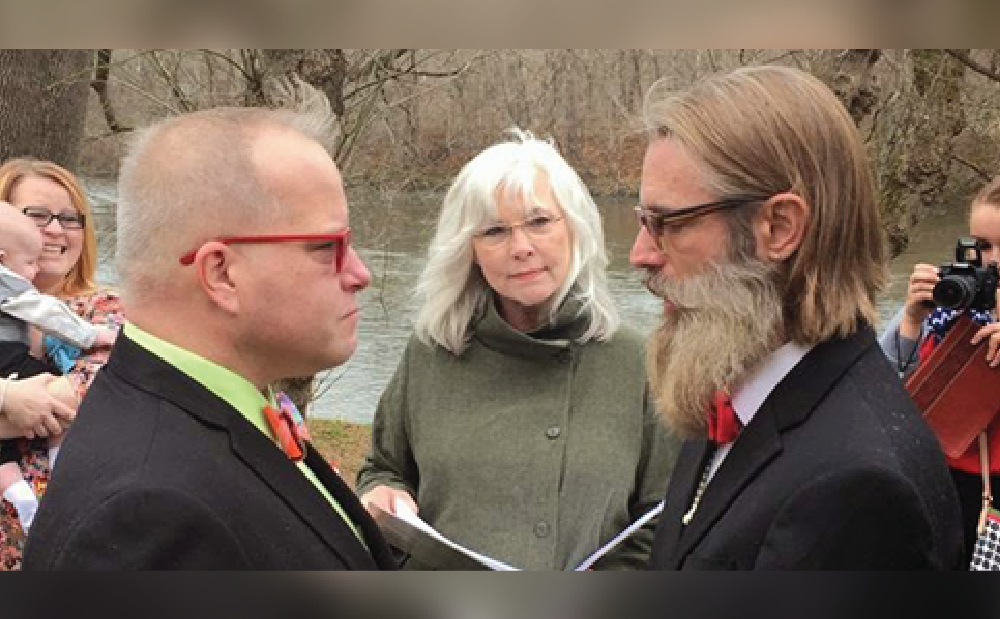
(20, 242)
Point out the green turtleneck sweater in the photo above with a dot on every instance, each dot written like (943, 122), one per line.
(529, 448)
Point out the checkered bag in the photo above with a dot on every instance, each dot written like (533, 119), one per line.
(986, 555)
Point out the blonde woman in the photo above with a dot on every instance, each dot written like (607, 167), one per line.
(54, 199)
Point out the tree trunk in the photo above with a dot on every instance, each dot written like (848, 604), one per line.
(102, 72)
(915, 177)
(854, 82)
(43, 103)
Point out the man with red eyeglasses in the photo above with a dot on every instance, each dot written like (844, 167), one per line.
(760, 230)
(236, 271)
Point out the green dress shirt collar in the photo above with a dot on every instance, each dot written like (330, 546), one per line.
(240, 393)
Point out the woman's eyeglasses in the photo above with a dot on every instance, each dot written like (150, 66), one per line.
(69, 220)
(340, 241)
(500, 234)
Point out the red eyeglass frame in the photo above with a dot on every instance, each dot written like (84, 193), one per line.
(342, 238)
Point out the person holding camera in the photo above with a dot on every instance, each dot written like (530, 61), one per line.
(922, 322)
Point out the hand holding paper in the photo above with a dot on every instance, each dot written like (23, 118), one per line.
(408, 532)
(386, 498)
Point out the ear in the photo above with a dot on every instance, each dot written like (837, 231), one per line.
(780, 226)
(214, 265)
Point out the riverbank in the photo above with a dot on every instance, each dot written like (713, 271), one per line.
(344, 443)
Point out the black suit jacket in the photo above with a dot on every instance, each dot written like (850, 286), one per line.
(837, 470)
(159, 473)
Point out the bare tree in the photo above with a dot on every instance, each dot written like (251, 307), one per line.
(915, 147)
(412, 117)
(43, 103)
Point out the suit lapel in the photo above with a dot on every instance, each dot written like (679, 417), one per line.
(753, 450)
(148, 373)
(280, 474)
(352, 507)
(789, 404)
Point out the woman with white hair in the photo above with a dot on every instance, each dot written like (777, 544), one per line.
(518, 420)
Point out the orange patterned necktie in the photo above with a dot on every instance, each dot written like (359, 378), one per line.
(723, 424)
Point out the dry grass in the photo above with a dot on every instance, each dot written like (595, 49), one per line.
(345, 444)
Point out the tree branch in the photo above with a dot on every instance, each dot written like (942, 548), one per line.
(982, 173)
(386, 72)
(102, 70)
(171, 79)
(228, 60)
(966, 59)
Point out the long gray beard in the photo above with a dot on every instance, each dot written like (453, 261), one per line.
(724, 321)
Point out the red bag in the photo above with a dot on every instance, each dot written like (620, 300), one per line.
(958, 392)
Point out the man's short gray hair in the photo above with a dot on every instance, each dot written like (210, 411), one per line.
(189, 178)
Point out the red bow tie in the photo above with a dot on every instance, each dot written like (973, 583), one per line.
(285, 431)
(723, 424)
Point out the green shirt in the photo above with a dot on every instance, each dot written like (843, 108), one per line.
(240, 393)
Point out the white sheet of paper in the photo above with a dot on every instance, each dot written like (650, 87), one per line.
(404, 513)
(632, 528)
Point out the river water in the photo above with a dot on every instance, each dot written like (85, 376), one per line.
(391, 233)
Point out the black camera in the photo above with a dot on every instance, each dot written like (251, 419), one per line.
(966, 283)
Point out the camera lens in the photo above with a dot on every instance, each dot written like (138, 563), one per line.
(955, 292)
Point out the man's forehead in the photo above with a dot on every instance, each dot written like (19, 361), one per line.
(671, 176)
(289, 162)
(277, 144)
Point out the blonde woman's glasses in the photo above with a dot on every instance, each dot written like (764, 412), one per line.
(69, 220)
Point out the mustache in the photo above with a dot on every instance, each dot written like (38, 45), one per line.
(730, 288)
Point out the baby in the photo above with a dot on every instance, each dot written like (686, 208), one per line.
(23, 307)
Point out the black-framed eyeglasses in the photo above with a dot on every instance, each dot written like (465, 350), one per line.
(657, 220)
(69, 220)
